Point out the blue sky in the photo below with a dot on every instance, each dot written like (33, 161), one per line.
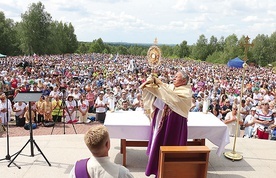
(171, 21)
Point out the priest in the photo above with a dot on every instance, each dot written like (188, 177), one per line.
(168, 106)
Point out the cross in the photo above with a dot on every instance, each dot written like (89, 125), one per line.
(246, 45)
(155, 41)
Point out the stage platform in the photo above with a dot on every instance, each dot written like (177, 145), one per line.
(259, 158)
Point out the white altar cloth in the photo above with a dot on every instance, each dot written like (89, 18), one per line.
(136, 126)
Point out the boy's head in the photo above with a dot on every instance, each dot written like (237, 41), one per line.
(97, 140)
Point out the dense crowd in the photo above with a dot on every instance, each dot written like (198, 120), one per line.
(100, 82)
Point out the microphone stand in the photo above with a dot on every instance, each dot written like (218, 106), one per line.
(8, 156)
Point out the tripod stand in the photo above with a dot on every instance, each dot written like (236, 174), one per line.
(29, 96)
(8, 156)
(64, 106)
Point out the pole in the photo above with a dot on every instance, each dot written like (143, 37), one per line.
(31, 129)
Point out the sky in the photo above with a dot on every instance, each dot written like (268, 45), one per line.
(170, 21)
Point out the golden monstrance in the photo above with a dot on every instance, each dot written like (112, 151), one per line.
(154, 60)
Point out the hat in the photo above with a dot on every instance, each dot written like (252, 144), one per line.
(264, 102)
(253, 109)
(70, 96)
(101, 92)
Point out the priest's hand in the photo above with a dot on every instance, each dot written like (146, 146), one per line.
(148, 81)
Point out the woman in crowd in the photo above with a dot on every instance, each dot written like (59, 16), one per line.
(83, 107)
(216, 113)
(231, 121)
(70, 109)
(47, 107)
(101, 106)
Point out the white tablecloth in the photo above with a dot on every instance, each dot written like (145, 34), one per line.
(136, 126)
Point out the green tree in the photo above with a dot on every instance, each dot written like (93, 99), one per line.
(216, 57)
(220, 44)
(8, 44)
(272, 47)
(231, 47)
(83, 47)
(200, 50)
(97, 46)
(56, 38)
(35, 30)
(70, 39)
(260, 50)
(122, 50)
(213, 45)
(184, 49)
(167, 51)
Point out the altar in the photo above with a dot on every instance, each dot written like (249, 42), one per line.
(135, 126)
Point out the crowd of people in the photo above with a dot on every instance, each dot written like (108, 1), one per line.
(73, 85)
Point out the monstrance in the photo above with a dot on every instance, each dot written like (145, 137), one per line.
(154, 59)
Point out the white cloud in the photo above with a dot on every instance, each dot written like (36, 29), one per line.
(143, 20)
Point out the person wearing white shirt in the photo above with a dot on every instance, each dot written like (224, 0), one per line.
(98, 165)
(231, 121)
(55, 93)
(70, 110)
(100, 105)
(249, 123)
(83, 107)
(5, 106)
(111, 101)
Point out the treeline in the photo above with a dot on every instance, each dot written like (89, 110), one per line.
(214, 50)
(38, 33)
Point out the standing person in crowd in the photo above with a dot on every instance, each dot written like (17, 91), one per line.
(249, 123)
(231, 121)
(223, 99)
(216, 113)
(111, 101)
(10, 92)
(54, 93)
(226, 108)
(98, 165)
(70, 110)
(40, 110)
(57, 109)
(140, 107)
(83, 107)
(91, 99)
(263, 119)
(27, 124)
(215, 104)
(273, 126)
(119, 104)
(5, 107)
(19, 109)
(45, 90)
(137, 101)
(170, 104)
(47, 106)
(125, 106)
(245, 109)
(33, 109)
(101, 106)
(77, 95)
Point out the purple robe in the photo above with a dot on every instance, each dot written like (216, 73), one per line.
(172, 132)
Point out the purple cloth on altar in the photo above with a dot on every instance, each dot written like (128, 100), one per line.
(174, 132)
